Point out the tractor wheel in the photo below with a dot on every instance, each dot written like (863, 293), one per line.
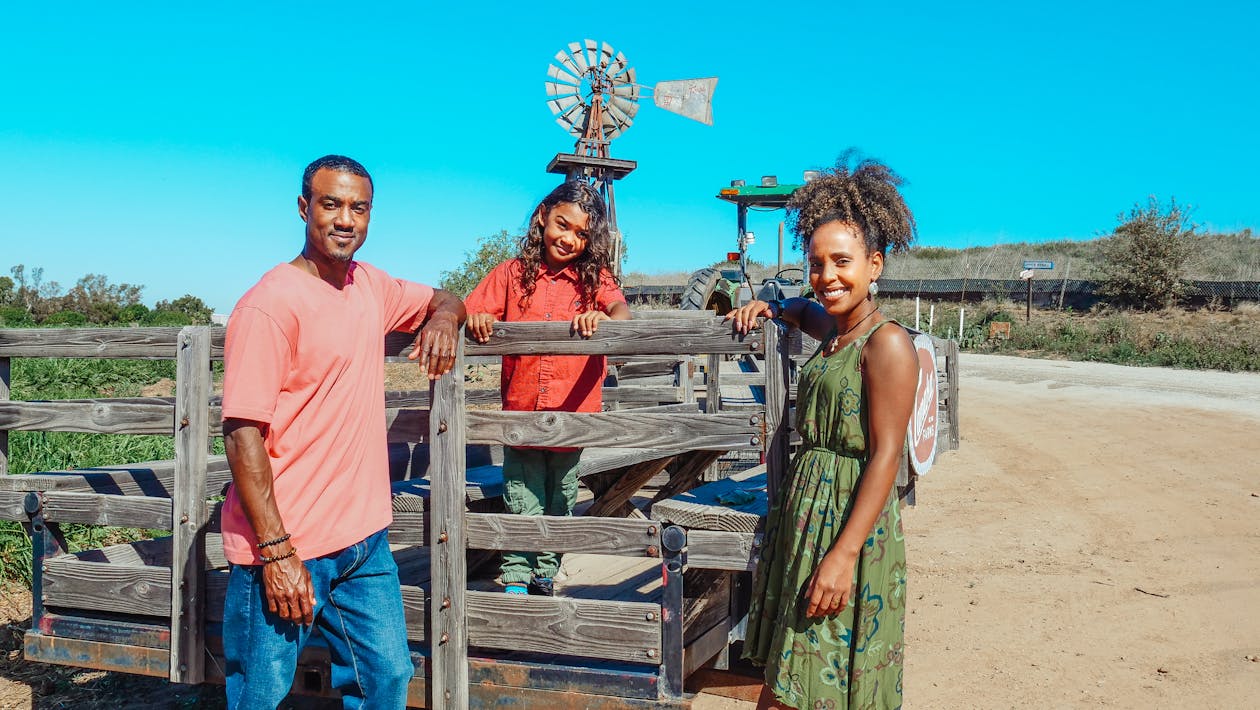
(702, 294)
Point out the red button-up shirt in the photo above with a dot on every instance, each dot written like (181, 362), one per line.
(540, 383)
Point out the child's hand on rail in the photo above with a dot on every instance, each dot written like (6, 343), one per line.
(584, 324)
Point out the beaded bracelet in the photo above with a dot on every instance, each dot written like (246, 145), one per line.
(269, 560)
(277, 541)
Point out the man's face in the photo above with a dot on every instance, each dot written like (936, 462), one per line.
(336, 216)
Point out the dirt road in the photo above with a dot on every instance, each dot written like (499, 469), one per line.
(1095, 543)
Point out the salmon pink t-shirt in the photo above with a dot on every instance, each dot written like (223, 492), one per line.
(308, 360)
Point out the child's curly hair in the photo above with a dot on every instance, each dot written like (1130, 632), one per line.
(864, 196)
(597, 256)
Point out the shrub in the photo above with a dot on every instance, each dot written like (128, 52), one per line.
(1144, 261)
(490, 252)
(66, 319)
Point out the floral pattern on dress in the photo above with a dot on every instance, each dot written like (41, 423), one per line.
(853, 659)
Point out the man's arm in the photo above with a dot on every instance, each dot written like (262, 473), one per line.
(286, 582)
(435, 344)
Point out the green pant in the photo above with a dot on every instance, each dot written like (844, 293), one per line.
(537, 482)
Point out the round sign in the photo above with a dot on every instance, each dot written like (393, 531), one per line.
(921, 436)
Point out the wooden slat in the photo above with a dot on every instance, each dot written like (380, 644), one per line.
(95, 654)
(633, 394)
(951, 373)
(404, 426)
(776, 399)
(105, 509)
(138, 343)
(704, 648)
(11, 506)
(626, 538)
(619, 631)
(648, 337)
(612, 502)
(409, 528)
(448, 548)
(149, 478)
(622, 429)
(98, 417)
(192, 431)
(733, 551)
(687, 475)
(5, 375)
(700, 508)
(105, 586)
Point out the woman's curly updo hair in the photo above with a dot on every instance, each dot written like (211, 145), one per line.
(864, 196)
(595, 260)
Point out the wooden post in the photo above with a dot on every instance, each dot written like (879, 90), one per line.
(1028, 313)
(776, 439)
(4, 435)
(448, 635)
(188, 510)
(682, 378)
(712, 399)
(951, 379)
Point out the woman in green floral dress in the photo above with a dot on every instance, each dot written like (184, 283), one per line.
(829, 596)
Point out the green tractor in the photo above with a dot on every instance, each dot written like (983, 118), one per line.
(723, 289)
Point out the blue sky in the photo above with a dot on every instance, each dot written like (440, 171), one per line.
(163, 146)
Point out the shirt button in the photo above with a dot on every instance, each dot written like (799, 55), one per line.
(547, 316)
(542, 390)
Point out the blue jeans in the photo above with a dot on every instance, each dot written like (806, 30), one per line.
(359, 612)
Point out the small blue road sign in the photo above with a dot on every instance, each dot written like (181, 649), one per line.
(1038, 264)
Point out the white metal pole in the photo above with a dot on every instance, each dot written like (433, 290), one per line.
(931, 317)
(961, 311)
(916, 313)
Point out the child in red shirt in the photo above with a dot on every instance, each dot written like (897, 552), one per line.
(562, 273)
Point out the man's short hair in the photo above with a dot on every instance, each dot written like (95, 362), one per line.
(339, 163)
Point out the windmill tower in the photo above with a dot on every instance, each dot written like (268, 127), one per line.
(594, 95)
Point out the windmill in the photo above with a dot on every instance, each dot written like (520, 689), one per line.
(593, 92)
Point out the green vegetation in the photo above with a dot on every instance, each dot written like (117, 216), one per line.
(490, 252)
(26, 300)
(1144, 261)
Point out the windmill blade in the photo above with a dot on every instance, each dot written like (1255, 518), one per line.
(692, 98)
(605, 56)
(618, 65)
(574, 117)
(561, 75)
(625, 106)
(622, 118)
(564, 103)
(554, 89)
(610, 126)
(592, 53)
(578, 57)
(629, 92)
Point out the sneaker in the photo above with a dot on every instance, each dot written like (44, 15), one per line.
(542, 587)
(517, 589)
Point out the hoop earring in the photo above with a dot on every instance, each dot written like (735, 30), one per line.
(874, 290)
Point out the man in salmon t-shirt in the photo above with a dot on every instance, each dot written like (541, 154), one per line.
(305, 520)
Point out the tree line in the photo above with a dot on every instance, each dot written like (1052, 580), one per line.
(26, 299)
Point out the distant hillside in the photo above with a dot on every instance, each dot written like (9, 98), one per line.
(1216, 257)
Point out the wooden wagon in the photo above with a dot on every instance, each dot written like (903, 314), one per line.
(154, 607)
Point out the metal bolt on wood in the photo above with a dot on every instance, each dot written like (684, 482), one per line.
(652, 551)
(183, 519)
(446, 603)
(755, 441)
(183, 422)
(651, 616)
(442, 427)
(651, 530)
(651, 653)
(445, 637)
(442, 536)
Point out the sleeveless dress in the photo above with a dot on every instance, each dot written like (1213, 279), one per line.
(854, 658)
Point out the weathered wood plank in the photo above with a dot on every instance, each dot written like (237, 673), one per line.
(137, 343)
(407, 426)
(621, 429)
(409, 528)
(704, 648)
(5, 379)
(11, 506)
(620, 631)
(105, 586)
(626, 538)
(951, 373)
(733, 551)
(447, 545)
(776, 399)
(150, 478)
(105, 509)
(95, 654)
(700, 507)
(687, 475)
(612, 502)
(637, 394)
(188, 561)
(647, 337)
(707, 601)
(97, 417)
